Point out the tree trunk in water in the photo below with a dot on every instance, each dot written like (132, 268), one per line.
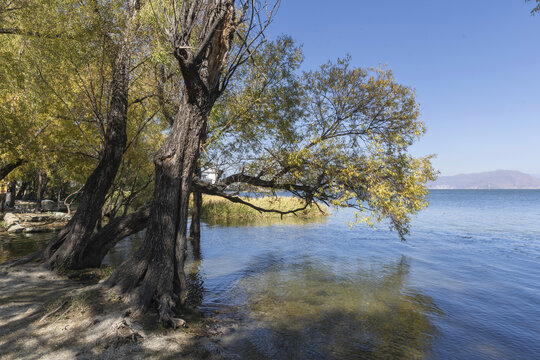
(156, 271)
(12, 191)
(195, 228)
(6, 169)
(68, 248)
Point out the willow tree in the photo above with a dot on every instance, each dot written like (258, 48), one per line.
(263, 97)
(338, 135)
(67, 249)
(201, 35)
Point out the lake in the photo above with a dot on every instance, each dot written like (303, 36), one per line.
(465, 284)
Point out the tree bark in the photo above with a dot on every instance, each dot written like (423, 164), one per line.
(2, 202)
(6, 169)
(156, 270)
(68, 248)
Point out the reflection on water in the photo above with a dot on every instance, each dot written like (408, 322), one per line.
(123, 249)
(306, 310)
(289, 220)
(13, 246)
(464, 286)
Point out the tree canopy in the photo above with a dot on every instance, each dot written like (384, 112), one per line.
(338, 135)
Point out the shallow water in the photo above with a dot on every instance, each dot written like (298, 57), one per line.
(465, 285)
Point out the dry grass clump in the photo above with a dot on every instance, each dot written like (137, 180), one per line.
(218, 207)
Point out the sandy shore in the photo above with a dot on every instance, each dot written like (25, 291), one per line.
(47, 316)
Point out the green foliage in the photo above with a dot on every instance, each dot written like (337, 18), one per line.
(338, 135)
(536, 9)
(55, 76)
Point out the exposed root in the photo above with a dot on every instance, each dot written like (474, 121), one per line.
(141, 293)
(166, 314)
(54, 311)
(121, 333)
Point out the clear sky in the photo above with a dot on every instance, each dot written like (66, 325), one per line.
(475, 65)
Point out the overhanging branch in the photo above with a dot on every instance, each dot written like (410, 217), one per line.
(210, 189)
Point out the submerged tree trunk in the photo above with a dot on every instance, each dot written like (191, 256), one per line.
(68, 248)
(156, 270)
(195, 228)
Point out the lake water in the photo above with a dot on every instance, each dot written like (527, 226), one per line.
(465, 285)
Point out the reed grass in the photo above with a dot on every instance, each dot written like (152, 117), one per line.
(218, 207)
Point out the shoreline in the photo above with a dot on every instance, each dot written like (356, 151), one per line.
(47, 315)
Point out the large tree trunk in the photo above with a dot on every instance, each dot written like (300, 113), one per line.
(154, 274)
(156, 271)
(68, 248)
(6, 169)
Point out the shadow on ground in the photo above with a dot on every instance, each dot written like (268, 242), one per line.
(45, 316)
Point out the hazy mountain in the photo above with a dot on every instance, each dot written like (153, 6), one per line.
(498, 179)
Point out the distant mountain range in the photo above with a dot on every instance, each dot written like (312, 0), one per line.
(498, 179)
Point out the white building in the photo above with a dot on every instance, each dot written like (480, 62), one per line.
(210, 175)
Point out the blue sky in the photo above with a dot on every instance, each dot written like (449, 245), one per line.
(475, 65)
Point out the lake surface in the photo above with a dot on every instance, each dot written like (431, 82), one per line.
(465, 285)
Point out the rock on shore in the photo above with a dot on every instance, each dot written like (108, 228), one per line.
(33, 223)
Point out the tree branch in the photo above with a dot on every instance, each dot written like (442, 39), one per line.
(210, 189)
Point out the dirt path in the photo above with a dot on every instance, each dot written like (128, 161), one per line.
(46, 316)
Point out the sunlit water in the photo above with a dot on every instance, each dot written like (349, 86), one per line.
(465, 285)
